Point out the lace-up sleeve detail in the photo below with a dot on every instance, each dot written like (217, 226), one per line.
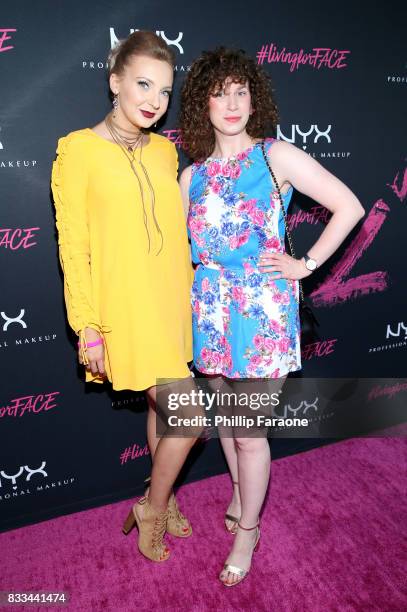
(69, 187)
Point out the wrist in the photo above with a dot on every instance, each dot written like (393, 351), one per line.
(310, 264)
(91, 334)
(304, 272)
(91, 344)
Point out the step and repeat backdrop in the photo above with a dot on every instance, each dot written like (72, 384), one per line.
(339, 77)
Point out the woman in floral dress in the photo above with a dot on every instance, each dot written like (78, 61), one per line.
(246, 324)
(245, 292)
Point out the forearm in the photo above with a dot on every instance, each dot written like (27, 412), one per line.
(335, 232)
(77, 289)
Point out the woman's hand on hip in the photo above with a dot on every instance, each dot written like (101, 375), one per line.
(283, 265)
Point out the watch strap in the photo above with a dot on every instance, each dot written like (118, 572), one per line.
(308, 258)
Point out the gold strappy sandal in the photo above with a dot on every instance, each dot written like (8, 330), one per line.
(237, 571)
(230, 517)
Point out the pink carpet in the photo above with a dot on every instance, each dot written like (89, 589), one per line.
(332, 540)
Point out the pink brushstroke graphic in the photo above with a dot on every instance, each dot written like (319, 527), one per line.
(29, 403)
(15, 239)
(334, 289)
(318, 57)
(174, 136)
(133, 452)
(400, 192)
(322, 348)
(315, 215)
(4, 37)
(389, 391)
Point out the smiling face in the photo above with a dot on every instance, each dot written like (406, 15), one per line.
(230, 108)
(143, 91)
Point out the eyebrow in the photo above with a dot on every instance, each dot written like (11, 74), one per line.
(152, 82)
(241, 86)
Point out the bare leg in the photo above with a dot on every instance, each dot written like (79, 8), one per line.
(152, 439)
(218, 383)
(169, 456)
(235, 506)
(254, 471)
(254, 460)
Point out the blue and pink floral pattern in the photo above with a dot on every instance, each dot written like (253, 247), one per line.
(245, 323)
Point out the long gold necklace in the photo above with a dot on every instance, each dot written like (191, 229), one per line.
(129, 147)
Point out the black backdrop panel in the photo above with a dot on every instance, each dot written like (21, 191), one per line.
(339, 79)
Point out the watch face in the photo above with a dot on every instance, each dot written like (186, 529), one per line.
(311, 264)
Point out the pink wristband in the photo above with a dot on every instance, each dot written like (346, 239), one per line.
(90, 344)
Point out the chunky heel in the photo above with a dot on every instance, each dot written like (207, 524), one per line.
(129, 523)
(257, 546)
(132, 518)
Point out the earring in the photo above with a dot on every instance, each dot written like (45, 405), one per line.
(115, 103)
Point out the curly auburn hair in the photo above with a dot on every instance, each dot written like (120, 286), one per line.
(207, 75)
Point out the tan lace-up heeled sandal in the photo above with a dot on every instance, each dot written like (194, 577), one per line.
(177, 524)
(230, 517)
(151, 527)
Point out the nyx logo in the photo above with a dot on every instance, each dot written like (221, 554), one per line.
(295, 129)
(10, 320)
(170, 41)
(400, 326)
(13, 477)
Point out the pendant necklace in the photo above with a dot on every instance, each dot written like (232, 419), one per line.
(129, 147)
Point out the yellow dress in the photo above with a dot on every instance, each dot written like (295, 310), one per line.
(138, 300)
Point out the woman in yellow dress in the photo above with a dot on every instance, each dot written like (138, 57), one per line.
(124, 252)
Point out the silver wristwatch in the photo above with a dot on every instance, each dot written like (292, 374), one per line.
(310, 264)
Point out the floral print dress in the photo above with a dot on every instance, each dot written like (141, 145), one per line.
(245, 323)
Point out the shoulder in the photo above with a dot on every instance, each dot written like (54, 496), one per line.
(282, 151)
(163, 143)
(74, 142)
(72, 157)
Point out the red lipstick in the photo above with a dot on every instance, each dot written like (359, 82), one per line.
(147, 114)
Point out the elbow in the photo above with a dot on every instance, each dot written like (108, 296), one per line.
(359, 211)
